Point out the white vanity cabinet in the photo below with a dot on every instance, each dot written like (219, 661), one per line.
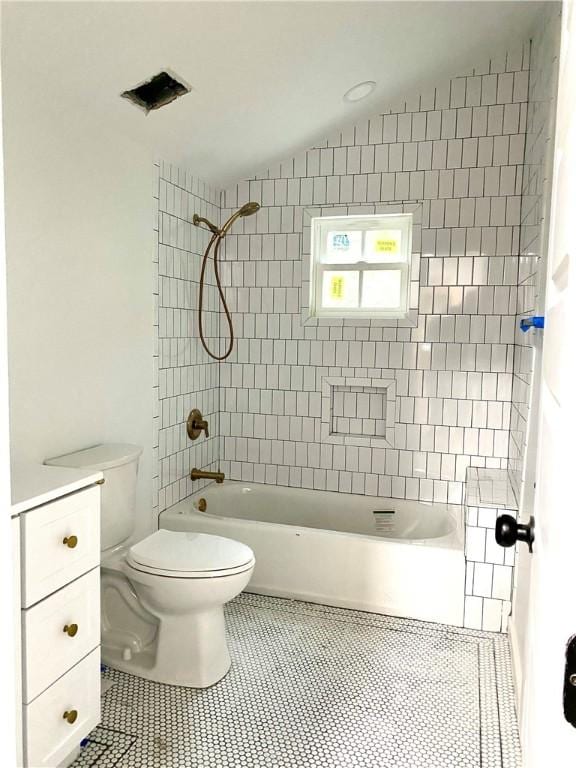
(60, 623)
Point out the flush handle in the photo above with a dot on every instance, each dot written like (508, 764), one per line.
(509, 531)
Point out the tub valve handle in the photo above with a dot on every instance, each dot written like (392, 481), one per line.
(195, 424)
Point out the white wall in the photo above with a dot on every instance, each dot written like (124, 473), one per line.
(536, 193)
(79, 266)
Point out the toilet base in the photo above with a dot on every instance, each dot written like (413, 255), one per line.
(167, 629)
(188, 651)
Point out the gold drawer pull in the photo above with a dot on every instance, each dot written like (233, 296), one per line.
(70, 541)
(70, 629)
(70, 716)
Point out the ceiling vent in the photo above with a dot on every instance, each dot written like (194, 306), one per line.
(156, 92)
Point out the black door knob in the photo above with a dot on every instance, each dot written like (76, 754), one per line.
(508, 531)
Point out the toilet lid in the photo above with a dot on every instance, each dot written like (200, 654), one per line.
(189, 552)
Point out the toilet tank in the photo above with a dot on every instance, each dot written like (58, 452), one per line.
(118, 462)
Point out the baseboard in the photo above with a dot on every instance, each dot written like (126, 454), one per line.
(517, 671)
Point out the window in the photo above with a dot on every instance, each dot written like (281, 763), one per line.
(360, 266)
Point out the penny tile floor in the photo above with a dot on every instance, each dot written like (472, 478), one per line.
(319, 687)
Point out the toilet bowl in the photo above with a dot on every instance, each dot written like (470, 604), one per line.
(167, 621)
(162, 598)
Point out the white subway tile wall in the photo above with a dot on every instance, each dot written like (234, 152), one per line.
(185, 377)
(489, 567)
(458, 153)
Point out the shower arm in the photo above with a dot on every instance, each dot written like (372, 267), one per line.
(246, 210)
(197, 220)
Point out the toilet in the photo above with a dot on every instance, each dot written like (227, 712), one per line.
(162, 598)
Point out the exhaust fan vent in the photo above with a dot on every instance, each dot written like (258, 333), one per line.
(157, 92)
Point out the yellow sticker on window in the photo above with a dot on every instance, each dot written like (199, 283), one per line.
(337, 287)
(386, 244)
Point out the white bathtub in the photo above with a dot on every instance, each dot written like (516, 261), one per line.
(400, 558)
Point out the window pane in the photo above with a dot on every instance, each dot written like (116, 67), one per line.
(343, 247)
(381, 289)
(340, 289)
(360, 265)
(384, 245)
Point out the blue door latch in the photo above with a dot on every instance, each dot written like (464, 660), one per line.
(536, 321)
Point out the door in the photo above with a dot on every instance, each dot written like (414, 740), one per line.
(548, 739)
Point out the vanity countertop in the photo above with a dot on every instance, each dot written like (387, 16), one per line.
(36, 484)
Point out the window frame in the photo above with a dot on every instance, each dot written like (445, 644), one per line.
(363, 223)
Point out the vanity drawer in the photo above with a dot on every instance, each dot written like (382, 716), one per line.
(50, 649)
(50, 737)
(60, 541)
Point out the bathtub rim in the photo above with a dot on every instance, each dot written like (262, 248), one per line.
(454, 540)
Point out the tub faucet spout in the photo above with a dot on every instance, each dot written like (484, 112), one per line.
(199, 474)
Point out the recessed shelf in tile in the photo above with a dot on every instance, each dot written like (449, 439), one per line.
(359, 411)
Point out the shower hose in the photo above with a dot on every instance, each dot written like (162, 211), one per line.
(215, 241)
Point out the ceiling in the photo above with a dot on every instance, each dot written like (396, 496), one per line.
(267, 77)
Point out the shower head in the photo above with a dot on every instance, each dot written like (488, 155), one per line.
(249, 208)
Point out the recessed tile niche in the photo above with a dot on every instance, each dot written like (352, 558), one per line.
(358, 411)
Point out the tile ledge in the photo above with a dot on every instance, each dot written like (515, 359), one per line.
(489, 488)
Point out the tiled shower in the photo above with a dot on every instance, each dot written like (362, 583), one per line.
(459, 152)
(460, 369)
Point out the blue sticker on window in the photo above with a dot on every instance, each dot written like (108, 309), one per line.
(340, 241)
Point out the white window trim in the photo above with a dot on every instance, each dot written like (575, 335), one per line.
(403, 221)
(330, 209)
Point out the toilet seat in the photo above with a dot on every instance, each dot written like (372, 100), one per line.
(189, 575)
(187, 555)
